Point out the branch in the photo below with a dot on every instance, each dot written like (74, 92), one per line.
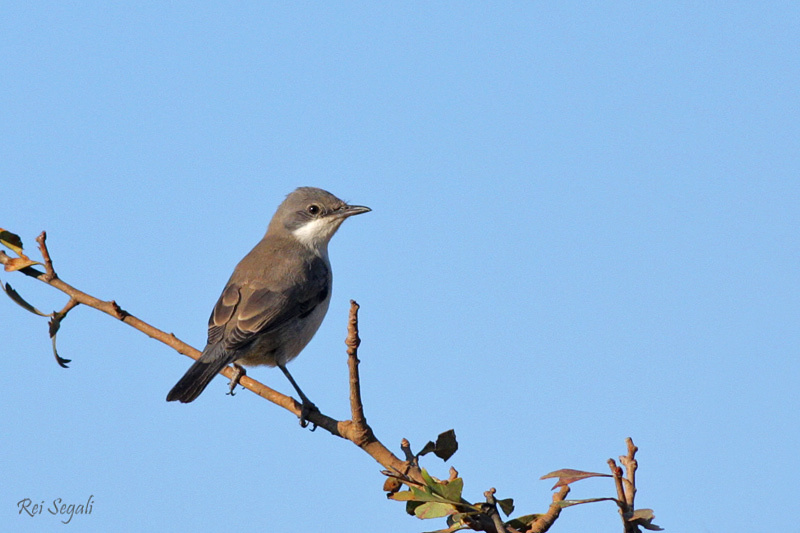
(630, 464)
(626, 487)
(491, 510)
(483, 517)
(353, 342)
(357, 431)
(543, 522)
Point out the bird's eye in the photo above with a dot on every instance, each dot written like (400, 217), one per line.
(313, 209)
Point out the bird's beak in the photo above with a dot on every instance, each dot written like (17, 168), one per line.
(350, 210)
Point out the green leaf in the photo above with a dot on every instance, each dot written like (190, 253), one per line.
(19, 300)
(429, 481)
(452, 490)
(521, 523)
(451, 529)
(412, 506)
(456, 519)
(402, 496)
(506, 505)
(443, 490)
(425, 495)
(11, 240)
(434, 510)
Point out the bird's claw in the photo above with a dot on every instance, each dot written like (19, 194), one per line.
(238, 372)
(306, 409)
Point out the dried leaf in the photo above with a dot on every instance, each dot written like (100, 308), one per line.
(19, 300)
(428, 448)
(392, 484)
(644, 518)
(18, 263)
(55, 324)
(570, 503)
(60, 360)
(567, 475)
(11, 240)
(446, 445)
(444, 448)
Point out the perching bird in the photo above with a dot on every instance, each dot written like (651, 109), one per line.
(277, 296)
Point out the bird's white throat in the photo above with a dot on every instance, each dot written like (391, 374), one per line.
(316, 234)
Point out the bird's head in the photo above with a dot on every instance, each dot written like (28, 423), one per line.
(312, 216)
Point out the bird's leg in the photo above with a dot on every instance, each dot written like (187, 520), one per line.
(308, 406)
(238, 372)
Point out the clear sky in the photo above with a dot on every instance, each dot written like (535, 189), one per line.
(585, 227)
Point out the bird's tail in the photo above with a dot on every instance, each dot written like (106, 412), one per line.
(198, 377)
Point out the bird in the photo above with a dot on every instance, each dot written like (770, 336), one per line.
(277, 296)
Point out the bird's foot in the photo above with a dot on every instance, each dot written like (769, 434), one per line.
(306, 409)
(238, 372)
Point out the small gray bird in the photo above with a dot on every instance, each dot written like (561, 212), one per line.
(276, 297)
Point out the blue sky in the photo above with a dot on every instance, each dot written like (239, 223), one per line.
(585, 227)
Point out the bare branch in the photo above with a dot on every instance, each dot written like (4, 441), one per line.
(50, 274)
(358, 433)
(629, 462)
(625, 508)
(491, 509)
(352, 342)
(543, 522)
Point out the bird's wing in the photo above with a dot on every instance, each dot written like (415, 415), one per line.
(245, 311)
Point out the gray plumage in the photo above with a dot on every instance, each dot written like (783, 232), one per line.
(277, 296)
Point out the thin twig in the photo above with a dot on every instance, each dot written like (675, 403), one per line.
(625, 509)
(352, 342)
(50, 274)
(630, 464)
(70, 304)
(405, 445)
(494, 513)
